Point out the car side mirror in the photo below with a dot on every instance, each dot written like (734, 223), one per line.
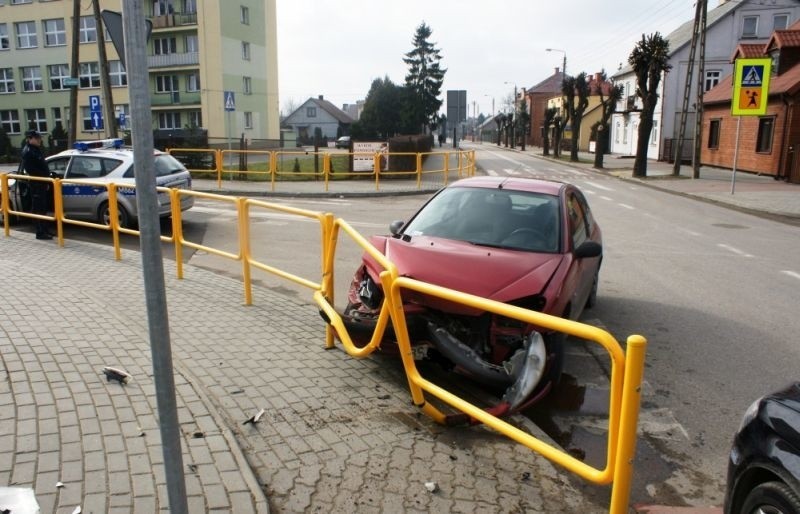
(589, 249)
(396, 226)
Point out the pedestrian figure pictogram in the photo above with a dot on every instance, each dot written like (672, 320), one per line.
(751, 76)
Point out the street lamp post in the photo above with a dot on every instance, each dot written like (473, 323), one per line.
(564, 67)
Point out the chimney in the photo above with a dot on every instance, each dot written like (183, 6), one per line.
(321, 97)
(556, 72)
(597, 77)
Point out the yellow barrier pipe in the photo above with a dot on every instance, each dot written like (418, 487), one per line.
(113, 213)
(329, 241)
(631, 402)
(243, 212)
(58, 208)
(446, 167)
(376, 168)
(177, 229)
(326, 168)
(419, 170)
(4, 203)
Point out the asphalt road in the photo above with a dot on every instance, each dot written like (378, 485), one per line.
(710, 288)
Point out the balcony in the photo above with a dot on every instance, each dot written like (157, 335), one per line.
(174, 20)
(175, 99)
(630, 104)
(170, 60)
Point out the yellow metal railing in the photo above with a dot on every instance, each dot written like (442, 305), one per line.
(279, 166)
(627, 367)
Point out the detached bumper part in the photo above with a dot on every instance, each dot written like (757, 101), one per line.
(519, 375)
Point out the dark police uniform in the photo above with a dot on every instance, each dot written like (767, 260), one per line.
(34, 164)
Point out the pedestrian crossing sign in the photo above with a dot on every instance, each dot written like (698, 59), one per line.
(230, 101)
(751, 87)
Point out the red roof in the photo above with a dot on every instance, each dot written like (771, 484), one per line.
(787, 82)
(747, 51)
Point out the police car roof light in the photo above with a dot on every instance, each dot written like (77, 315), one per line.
(83, 146)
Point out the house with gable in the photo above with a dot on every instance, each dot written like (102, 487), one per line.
(318, 116)
(536, 98)
(729, 24)
(767, 144)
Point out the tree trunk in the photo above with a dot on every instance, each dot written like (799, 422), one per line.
(573, 152)
(546, 142)
(600, 147)
(640, 163)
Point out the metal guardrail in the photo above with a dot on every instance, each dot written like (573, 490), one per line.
(627, 367)
(271, 166)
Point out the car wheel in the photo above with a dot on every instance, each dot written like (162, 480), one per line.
(591, 301)
(104, 215)
(771, 498)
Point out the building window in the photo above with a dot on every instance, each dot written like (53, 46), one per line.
(166, 83)
(26, 34)
(625, 133)
(7, 81)
(195, 119)
(750, 27)
(31, 79)
(246, 86)
(712, 79)
(245, 50)
(193, 82)
(116, 74)
(165, 46)
(162, 7)
(713, 133)
(57, 120)
(4, 42)
(89, 75)
(57, 73)
(780, 22)
(191, 44)
(764, 139)
(36, 119)
(54, 32)
(616, 133)
(248, 120)
(311, 112)
(86, 116)
(19, 2)
(88, 31)
(169, 120)
(9, 122)
(654, 136)
(244, 15)
(190, 6)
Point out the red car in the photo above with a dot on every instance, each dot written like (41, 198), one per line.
(526, 242)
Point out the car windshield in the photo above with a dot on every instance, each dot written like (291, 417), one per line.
(515, 220)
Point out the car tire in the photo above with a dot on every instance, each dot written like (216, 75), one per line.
(772, 498)
(103, 215)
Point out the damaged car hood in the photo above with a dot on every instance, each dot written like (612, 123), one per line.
(494, 273)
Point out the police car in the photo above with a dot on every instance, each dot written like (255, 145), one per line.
(103, 162)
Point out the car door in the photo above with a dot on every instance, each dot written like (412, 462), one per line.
(81, 198)
(580, 229)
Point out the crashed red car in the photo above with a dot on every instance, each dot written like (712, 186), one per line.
(526, 242)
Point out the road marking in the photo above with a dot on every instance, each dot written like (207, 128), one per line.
(263, 214)
(510, 171)
(793, 274)
(491, 173)
(734, 250)
(598, 186)
(690, 232)
(607, 198)
(626, 206)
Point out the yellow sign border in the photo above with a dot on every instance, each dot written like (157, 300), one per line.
(763, 89)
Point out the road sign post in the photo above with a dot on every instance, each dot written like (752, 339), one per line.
(750, 96)
(230, 106)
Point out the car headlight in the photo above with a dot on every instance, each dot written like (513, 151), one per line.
(749, 415)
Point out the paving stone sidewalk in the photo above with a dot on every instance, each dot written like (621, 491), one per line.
(338, 434)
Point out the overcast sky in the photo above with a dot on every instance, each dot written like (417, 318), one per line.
(336, 48)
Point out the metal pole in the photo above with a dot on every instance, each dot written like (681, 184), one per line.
(134, 29)
(73, 72)
(109, 125)
(735, 154)
(228, 119)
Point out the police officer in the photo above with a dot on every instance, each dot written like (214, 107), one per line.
(34, 165)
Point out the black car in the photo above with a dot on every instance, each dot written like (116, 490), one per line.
(764, 465)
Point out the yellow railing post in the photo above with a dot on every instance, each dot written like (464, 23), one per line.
(58, 210)
(419, 170)
(376, 167)
(446, 167)
(113, 214)
(629, 418)
(218, 162)
(244, 247)
(177, 229)
(4, 203)
(326, 168)
(273, 169)
(329, 239)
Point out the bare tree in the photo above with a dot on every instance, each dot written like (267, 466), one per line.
(576, 93)
(289, 106)
(608, 105)
(650, 59)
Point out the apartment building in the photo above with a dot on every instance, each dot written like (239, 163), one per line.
(198, 51)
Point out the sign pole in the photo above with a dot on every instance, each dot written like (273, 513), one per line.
(735, 154)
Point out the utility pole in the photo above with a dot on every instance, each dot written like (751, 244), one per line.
(73, 72)
(698, 127)
(699, 16)
(108, 100)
